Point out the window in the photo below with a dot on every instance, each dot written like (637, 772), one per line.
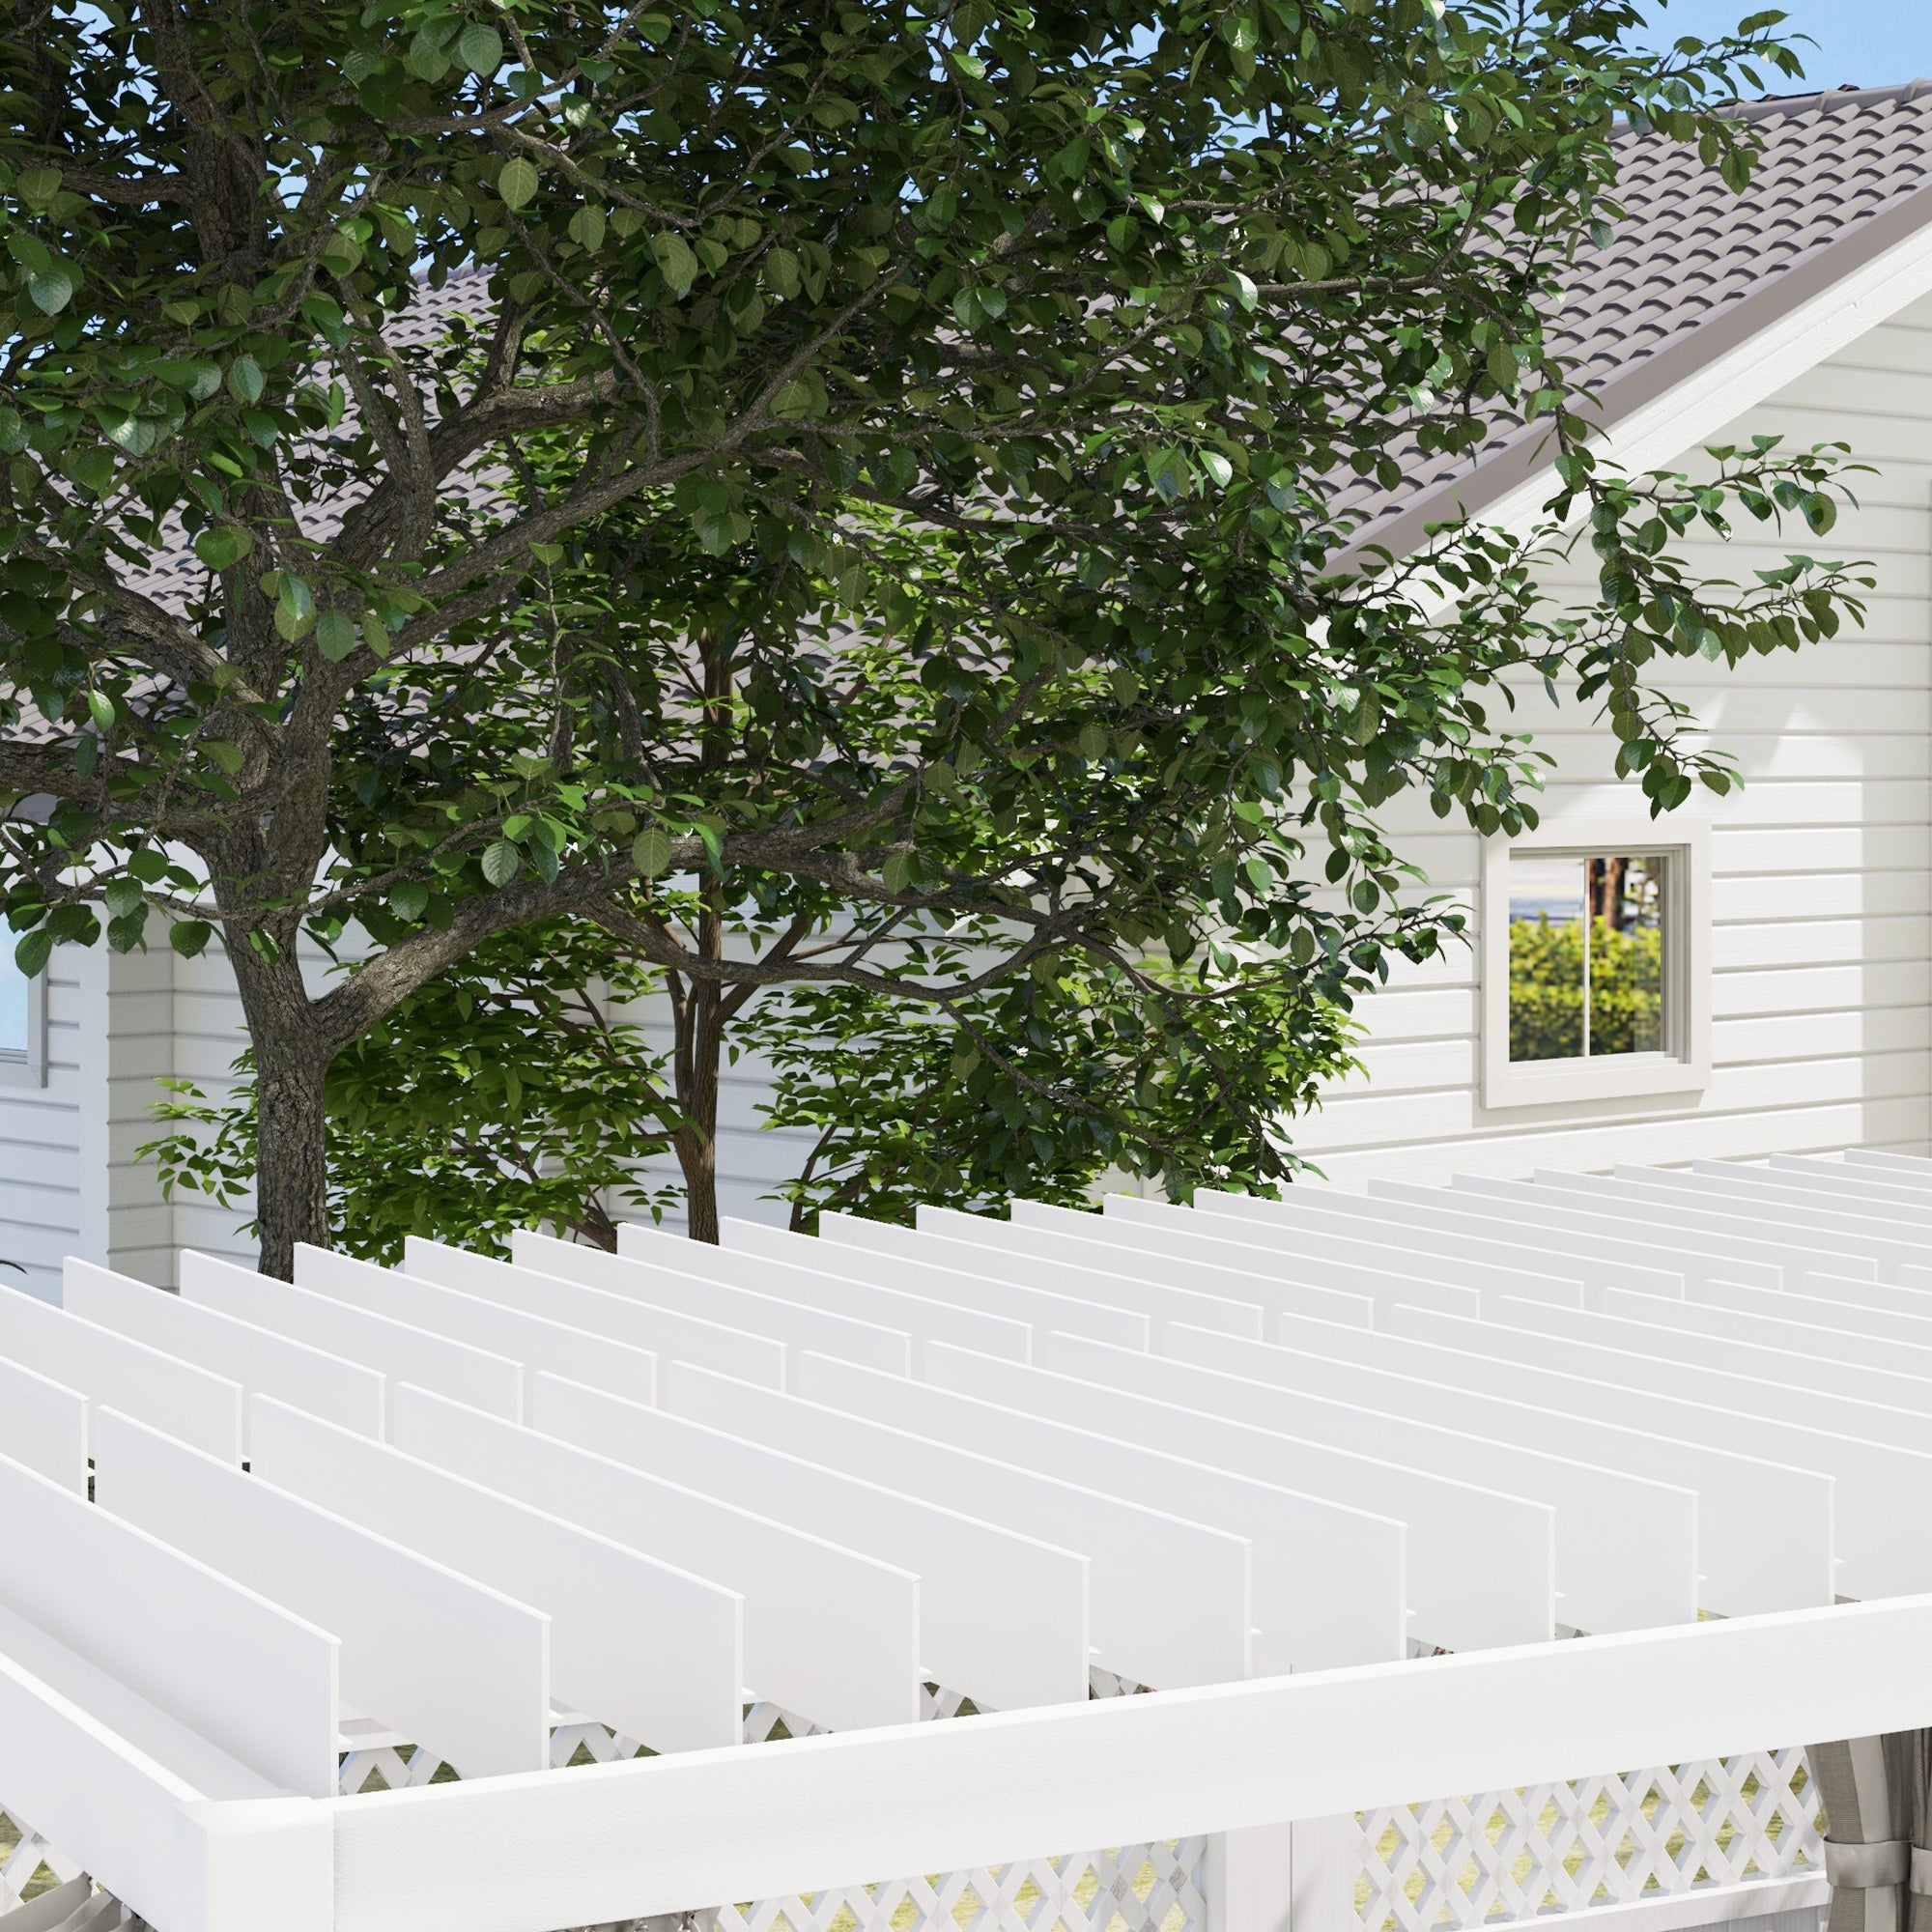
(23, 1025)
(1594, 965)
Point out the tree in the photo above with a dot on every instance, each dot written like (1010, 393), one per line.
(1109, 303)
(508, 1093)
(1088, 1076)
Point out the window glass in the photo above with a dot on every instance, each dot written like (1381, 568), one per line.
(13, 1007)
(1545, 957)
(1586, 955)
(1626, 956)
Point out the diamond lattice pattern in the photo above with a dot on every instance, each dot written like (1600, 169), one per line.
(1508, 1855)
(1132, 1889)
(28, 1863)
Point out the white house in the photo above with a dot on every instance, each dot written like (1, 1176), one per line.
(1795, 1009)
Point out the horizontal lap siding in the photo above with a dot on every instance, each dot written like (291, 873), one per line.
(1821, 996)
(43, 1205)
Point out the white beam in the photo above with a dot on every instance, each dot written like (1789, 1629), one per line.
(1091, 1271)
(657, 1275)
(648, 1649)
(1171, 1598)
(1329, 1582)
(401, 1351)
(1508, 1598)
(1880, 1457)
(1626, 1546)
(968, 1287)
(181, 1834)
(257, 1682)
(920, 1316)
(535, 1338)
(435, 1656)
(830, 1635)
(630, 1840)
(1102, 1282)
(258, 1359)
(173, 1395)
(1764, 1519)
(1355, 1218)
(44, 1426)
(972, 1573)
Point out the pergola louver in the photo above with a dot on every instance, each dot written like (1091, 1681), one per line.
(1256, 1456)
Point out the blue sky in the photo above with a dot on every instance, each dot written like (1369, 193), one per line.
(1871, 42)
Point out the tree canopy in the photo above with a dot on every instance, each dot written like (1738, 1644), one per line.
(892, 457)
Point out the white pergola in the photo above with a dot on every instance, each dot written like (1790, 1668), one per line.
(1267, 1457)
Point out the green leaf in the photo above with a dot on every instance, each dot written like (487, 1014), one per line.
(782, 274)
(31, 955)
(516, 182)
(223, 546)
(336, 635)
(480, 48)
(123, 896)
(101, 708)
(52, 289)
(190, 937)
(675, 262)
(500, 863)
(408, 900)
(38, 186)
(92, 468)
(244, 380)
(586, 228)
(651, 851)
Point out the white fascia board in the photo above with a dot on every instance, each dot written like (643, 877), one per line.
(134, 1815)
(679, 1832)
(1659, 433)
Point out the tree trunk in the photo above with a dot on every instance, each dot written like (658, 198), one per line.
(699, 1054)
(292, 1122)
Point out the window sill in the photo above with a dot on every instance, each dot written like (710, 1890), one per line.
(1615, 1077)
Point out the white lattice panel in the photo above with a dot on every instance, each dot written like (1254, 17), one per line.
(25, 1857)
(1134, 1888)
(1509, 1855)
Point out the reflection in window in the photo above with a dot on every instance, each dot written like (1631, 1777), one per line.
(1586, 955)
(14, 986)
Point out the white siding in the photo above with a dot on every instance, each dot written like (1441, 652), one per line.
(44, 1203)
(1821, 889)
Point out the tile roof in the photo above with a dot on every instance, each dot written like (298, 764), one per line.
(1693, 270)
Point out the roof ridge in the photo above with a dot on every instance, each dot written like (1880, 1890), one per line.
(1770, 105)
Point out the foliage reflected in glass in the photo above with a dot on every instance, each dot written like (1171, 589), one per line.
(1586, 957)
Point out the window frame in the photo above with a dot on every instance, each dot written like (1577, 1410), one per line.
(30, 1069)
(1684, 1065)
